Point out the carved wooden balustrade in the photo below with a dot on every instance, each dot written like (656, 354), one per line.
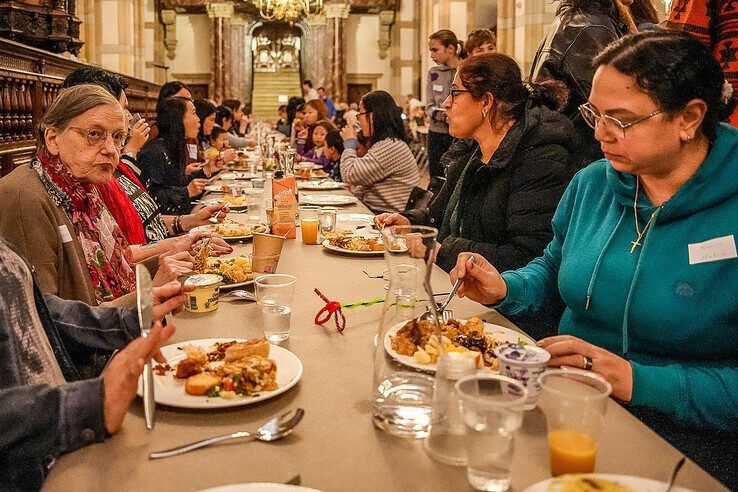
(29, 80)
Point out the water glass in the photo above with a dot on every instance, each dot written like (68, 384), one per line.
(327, 217)
(575, 405)
(492, 415)
(274, 295)
(254, 202)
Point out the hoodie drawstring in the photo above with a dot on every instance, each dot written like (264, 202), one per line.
(596, 270)
(633, 283)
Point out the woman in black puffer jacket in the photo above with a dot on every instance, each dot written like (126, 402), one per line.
(507, 178)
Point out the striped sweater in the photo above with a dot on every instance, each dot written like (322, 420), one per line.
(384, 177)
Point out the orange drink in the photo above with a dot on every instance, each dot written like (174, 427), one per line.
(571, 452)
(309, 228)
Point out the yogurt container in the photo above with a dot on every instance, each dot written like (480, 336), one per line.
(204, 298)
(523, 363)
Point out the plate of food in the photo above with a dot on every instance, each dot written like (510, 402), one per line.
(322, 184)
(233, 231)
(233, 202)
(325, 199)
(236, 271)
(211, 188)
(346, 222)
(353, 243)
(415, 344)
(223, 372)
(605, 482)
(239, 175)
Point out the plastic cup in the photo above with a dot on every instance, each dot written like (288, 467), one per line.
(575, 405)
(274, 295)
(267, 250)
(327, 217)
(309, 222)
(491, 415)
(254, 201)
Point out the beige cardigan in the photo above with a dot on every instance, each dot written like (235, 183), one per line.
(41, 231)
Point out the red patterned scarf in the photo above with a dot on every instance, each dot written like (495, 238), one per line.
(107, 253)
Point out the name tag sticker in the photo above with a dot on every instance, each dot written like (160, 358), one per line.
(720, 248)
(192, 149)
(437, 87)
(64, 233)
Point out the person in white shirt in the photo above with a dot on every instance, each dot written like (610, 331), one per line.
(310, 93)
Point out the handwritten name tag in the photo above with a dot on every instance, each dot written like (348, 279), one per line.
(437, 87)
(720, 248)
(64, 234)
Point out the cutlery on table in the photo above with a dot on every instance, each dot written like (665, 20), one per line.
(274, 429)
(214, 218)
(145, 304)
(442, 306)
(241, 294)
(674, 473)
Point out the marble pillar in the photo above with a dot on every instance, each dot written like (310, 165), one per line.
(239, 71)
(314, 50)
(220, 41)
(336, 15)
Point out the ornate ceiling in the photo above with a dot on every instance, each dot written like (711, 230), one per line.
(246, 7)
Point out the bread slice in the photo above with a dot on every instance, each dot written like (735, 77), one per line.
(199, 384)
(249, 348)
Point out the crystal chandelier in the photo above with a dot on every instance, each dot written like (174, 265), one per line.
(288, 10)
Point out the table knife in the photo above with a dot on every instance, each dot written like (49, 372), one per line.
(145, 303)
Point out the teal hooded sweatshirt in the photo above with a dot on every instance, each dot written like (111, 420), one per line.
(674, 319)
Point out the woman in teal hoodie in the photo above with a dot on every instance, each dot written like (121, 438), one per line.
(644, 249)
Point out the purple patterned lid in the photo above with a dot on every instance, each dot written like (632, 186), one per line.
(522, 355)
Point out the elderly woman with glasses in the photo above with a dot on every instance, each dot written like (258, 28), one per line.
(644, 247)
(53, 216)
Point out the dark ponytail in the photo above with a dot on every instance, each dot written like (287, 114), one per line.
(500, 76)
(673, 68)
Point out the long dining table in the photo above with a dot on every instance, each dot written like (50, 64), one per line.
(335, 447)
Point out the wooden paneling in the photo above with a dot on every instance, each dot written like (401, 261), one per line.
(29, 80)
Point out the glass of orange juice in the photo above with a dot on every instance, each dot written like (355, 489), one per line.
(309, 222)
(575, 405)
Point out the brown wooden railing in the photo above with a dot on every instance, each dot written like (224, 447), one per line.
(29, 80)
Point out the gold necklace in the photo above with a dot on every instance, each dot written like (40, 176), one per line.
(640, 232)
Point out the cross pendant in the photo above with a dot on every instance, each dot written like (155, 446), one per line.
(635, 245)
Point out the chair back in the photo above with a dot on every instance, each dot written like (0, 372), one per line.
(419, 198)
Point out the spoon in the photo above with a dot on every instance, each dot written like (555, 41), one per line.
(273, 430)
(241, 294)
(674, 473)
(214, 218)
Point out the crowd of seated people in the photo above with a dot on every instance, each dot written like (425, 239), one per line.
(579, 189)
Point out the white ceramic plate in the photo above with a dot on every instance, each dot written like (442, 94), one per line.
(239, 175)
(352, 221)
(500, 332)
(211, 229)
(327, 245)
(317, 185)
(308, 165)
(324, 200)
(216, 201)
(214, 188)
(636, 483)
(170, 391)
(260, 487)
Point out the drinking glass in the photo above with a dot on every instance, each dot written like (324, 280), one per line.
(274, 295)
(575, 405)
(402, 395)
(309, 223)
(327, 217)
(491, 415)
(253, 198)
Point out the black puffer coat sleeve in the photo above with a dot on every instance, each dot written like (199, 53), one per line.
(535, 187)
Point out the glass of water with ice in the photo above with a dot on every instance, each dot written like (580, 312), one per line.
(491, 414)
(274, 294)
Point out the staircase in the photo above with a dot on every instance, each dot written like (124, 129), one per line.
(268, 86)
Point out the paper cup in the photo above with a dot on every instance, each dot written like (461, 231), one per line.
(267, 250)
(523, 363)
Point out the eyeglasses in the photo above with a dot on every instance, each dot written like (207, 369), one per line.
(610, 124)
(455, 92)
(97, 136)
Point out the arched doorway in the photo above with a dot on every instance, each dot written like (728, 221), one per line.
(276, 54)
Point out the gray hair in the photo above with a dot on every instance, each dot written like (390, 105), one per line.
(69, 104)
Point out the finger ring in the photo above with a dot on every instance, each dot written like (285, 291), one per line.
(587, 363)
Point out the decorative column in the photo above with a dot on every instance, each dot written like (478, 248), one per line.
(220, 41)
(335, 14)
(169, 19)
(314, 46)
(239, 71)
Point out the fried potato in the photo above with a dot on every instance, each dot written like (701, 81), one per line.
(199, 384)
(255, 346)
